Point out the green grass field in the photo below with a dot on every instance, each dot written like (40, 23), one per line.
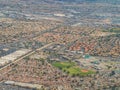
(78, 71)
(63, 65)
(72, 69)
(113, 30)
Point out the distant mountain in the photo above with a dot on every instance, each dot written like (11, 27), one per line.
(63, 1)
(92, 1)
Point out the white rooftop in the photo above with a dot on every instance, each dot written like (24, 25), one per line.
(13, 56)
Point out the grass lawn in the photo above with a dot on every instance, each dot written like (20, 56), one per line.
(113, 30)
(78, 71)
(72, 69)
(63, 65)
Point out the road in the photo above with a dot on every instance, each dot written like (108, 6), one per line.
(28, 54)
(33, 37)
